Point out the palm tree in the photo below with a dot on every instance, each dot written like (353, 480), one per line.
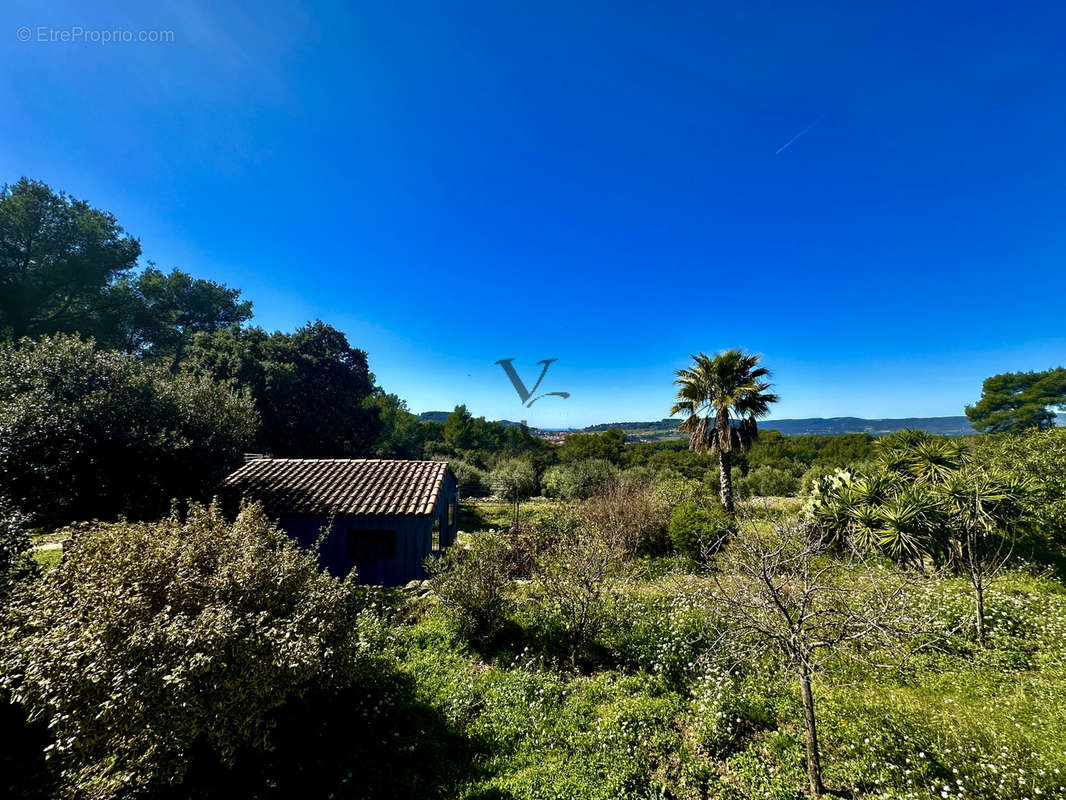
(721, 397)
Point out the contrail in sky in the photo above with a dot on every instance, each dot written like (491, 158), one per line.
(782, 148)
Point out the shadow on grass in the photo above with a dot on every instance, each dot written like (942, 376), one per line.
(374, 741)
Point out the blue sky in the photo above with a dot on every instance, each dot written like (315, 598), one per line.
(454, 183)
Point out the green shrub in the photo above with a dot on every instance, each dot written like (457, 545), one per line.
(671, 489)
(698, 529)
(642, 475)
(513, 479)
(578, 480)
(1040, 456)
(767, 482)
(474, 585)
(92, 434)
(473, 482)
(151, 641)
(14, 545)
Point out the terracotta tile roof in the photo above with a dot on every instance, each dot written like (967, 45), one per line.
(316, 486)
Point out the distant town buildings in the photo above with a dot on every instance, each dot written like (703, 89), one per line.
(556, 437)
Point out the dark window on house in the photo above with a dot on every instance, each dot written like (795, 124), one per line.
(436, 534)
(371, 544)
(451, 514)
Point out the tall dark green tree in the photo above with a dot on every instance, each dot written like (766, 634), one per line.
(609, 445)
(1017, 401)
(58, 258)
(402, 434)
(721, 398)
(158, 314)
(310, 387)
(460, 431)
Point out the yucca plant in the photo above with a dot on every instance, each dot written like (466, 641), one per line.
(928, 504)
(985, 506)
(921, 456)
(908, 523)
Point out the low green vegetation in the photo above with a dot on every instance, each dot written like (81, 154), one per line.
(657, 711)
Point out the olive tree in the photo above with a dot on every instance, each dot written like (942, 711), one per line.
(580, 479)
(150, 640)
(513, 479)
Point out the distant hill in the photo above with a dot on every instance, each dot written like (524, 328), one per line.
(441, 416)
(433, 416)
(667, 428)
(944, 426)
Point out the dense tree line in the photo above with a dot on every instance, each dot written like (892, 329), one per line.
(68, 269)
(124, 387)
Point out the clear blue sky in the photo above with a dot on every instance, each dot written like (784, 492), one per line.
(454, 183)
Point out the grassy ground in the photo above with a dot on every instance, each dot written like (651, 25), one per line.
(651, 719)
(483, 515)
(47, 548)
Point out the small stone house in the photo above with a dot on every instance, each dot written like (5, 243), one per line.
(388, 516)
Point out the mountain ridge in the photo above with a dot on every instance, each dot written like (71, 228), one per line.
(822, 426)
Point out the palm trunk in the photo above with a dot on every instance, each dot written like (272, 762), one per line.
(814, 759)
(725, 480)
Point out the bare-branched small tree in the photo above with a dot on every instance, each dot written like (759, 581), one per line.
(785, 593)
(574, 581)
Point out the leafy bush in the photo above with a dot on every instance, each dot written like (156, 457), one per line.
(698, 529)
(86, 433)
(474, 584)
(473, 482)
(641, 475)
(1040, 456)
(767, 482)
(672, 490)
(151, 641)
(578, 480)
(513, 479)
(14, 544)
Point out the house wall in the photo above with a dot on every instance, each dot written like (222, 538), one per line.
(413, 540)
